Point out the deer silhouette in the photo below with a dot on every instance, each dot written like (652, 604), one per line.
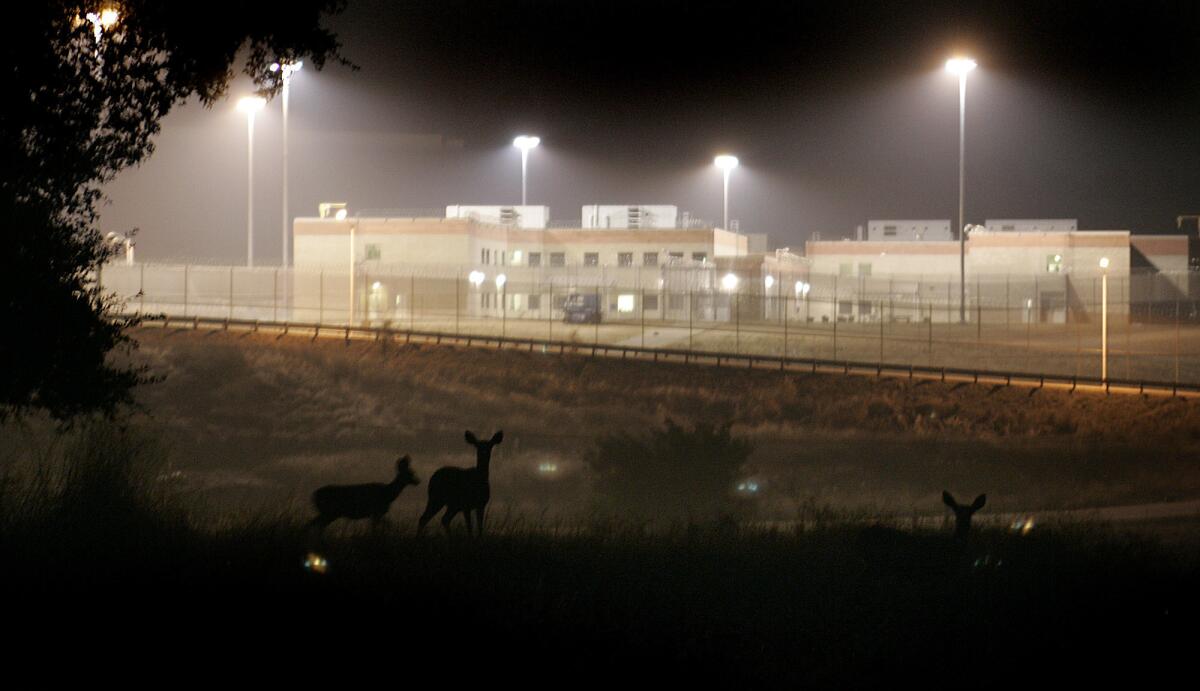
(462, 489)
(963, 513)
(371, 500)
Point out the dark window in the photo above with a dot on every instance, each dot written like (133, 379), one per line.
(699, 256)
(650, 302)
(558, 259)
(650, 259)
(535, 258)
(625, 259)
(674, 301)
(591, 259)
(675, 255)
(535, 302)
(373, 252)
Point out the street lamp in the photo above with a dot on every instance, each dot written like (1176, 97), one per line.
(286, 70)
(250, 105)
(1104, 319)
(961, 67)
(729, 282)
(525, 143)
(726, 163)
(476, 278)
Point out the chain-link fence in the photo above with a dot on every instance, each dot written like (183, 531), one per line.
(1031, 324)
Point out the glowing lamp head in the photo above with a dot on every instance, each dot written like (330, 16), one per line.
(251, 104)
(769, 281)
(729, 281)
(802, 288)
(340, 215)
(476, 278)
(726, 162)
(1103, 262)
(960, 66)
(526, 142)
(501, 280)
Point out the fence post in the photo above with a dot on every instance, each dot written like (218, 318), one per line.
(978, 312)
(642, 304)
(1176, 340)
(690, 307)
(737, 322)
(321, 298)
(1006, 305)
(881, 334)
(457, 297)
(412, 296)
(231, 292)
(835, 314)
(785, 327)
(550, 313)
(275, 296)
(142, 287)
(185, 290)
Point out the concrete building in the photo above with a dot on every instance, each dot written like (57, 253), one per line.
(1028, 225)
(634, 216)
(909, 230)
(387, 260)
(1037, 276)
(519, 216)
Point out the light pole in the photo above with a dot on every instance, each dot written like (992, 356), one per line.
(525, 143)
(961, 67)
(726, 163)
(1104, 319)
(250, 105)
(285, 70)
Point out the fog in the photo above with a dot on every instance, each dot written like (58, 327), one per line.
(825, 144)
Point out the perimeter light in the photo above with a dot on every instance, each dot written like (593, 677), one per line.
(960, 66)
(476, 278)
(251, 104)
(726, 162)
(729, 282)
(1103, 262)
(501, 280)
(526, 142)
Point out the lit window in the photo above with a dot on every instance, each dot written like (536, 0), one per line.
(1054, 263)
(626, 302)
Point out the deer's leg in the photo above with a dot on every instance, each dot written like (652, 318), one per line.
(430, 511)
(467, 517)
(447, 517)
(479, 519)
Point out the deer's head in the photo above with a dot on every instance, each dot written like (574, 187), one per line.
(483, 449)
(404, 474)
(963, 513)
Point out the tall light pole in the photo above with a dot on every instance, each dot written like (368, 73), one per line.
(285, 70)
(1104, 319)
(250, 105)
(525, 143)
(961, 67)
(726, 163)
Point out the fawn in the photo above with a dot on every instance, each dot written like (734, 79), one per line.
(962, 513)
(462, 489)
(371, 500)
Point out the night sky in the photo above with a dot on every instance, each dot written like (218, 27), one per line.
(839, 113)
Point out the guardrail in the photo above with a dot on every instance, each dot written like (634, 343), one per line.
(1034, 382)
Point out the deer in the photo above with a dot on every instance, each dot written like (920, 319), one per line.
(462, 489)
(963, 513)
(370, 500)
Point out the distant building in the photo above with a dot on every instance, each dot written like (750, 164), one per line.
(630, 216)
(519, 216)
(908, 230)
(1028, 225)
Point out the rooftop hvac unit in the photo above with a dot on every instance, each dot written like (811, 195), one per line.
(508, 216)
(633, 217)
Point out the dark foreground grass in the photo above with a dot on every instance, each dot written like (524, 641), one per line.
(102, 575)
(838, 606)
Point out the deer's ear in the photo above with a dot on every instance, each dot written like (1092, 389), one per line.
(949, 500)
(979, 502)
(470, 438)
(404, 462)
(498, 437)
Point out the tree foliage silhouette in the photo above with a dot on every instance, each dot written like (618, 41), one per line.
(77, 110)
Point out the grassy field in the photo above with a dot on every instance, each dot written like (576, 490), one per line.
(252, 422)
(178, 536)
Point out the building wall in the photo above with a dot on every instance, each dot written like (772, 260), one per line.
(908, 230)
(1008, 225)
(617, 216)
(524, 216)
